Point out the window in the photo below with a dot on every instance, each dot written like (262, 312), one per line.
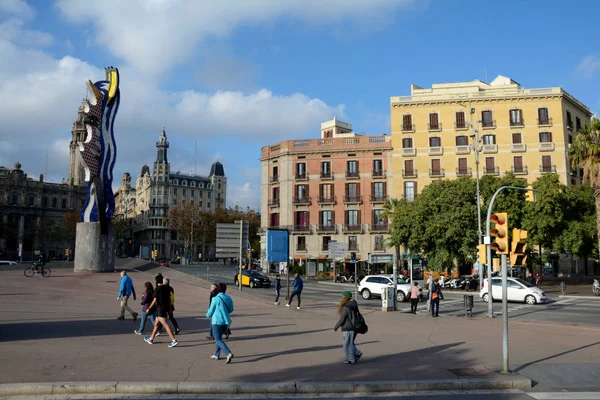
(275, 173)
(543, 118)
(378, 190)
(45, 202)
(200, 204)
(31, 200)
(486, 119)
(460, 120)
(410, 189)
(546, 161)
(435, 141)
(301, 243)
(407, 123)
(379, 243)
(301, 192)
(326, 192)
(274, 220)
(352, 217)
(569, 120)
(353, 243)
(462, 140)
(208, 205)
(300, 170)
(209, 194)
(326, 169)
(435, 167)
(377, 165)
(352, 190)
(326, 218)
(434, 122)
(174, 191)
(325, 243)
(516, 117)
(377, 217)
(54, 202)
(577, 124)
(275, 194)
(63, 203)
(463, 168)
(200, 193)
(184, 192)
(352, 168)
(490, 165)
(407, 143)
(192, 193)
(489, 139)
(301, 218)
(516, 138)
(409, 167)
(518, 164)
(545, 137)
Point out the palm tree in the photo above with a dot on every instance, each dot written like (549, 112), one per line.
(391, 209)
(585, 153)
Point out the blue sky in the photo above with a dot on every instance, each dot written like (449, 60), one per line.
(235, 76)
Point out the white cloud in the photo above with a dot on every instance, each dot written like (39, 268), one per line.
(154, 36)
(221, 70)
(12, 30)
(242, 195)
(18, 7)
(589, 66)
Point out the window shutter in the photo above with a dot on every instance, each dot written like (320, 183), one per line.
(373, 188)
(333, 218)
(358, 218)
(346, 217)
(384, 184)
(347, 191)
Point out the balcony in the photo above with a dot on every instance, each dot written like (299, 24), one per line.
(436, 151)
(518, 147)
(434, 127)
(273, 202)
(517, 124)
(326, 200)
(488, 124)
(436, 173)
(409, 173)
(463, 172)
(409, 152)
(353, 229)
(491, 171)
(352, 175)
(519, 170)
(546, 146)
(352, 199)
(300, 246)
(378, 173)
(274, 179)
(548, 169)
(378, 198)
(408, 127)
(490, 148)
(379, 228)
(331, 228)
(299, 201)
(461, 125)
(544, 121)
(569, 125)
(301, 176)
(301, 228)
(326, 175)
(463, 149)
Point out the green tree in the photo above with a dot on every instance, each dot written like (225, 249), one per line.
(580, 234)
(509, 201)
(392, 212)
(585, 153)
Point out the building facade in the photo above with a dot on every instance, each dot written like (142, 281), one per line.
(526, 131)
(332, 188)
(146, 206)
(29, 209)
(78, 135)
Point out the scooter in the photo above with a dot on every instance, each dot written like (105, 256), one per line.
(448, 283)
(596, 287)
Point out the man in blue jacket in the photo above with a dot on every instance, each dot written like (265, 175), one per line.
(297, 285)
(126, 289)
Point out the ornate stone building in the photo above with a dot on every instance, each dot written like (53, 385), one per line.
(29, 208)
(147, 205)
(78, 133)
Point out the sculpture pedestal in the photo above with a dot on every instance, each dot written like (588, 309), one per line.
(93, 251)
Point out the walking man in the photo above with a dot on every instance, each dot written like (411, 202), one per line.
(162, 297)
(172, 298)
(126, 289)
(297, 285)
(277, 288)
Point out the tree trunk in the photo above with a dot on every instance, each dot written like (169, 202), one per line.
(597, 198)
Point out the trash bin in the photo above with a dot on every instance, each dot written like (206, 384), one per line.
(468, 304)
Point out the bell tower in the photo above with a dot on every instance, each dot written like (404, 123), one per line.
(78, 134)
(161, 165)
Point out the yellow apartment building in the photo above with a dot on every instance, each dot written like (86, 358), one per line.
(527, 131)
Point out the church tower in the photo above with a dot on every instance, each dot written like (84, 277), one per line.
(78, 134)
(161, 167)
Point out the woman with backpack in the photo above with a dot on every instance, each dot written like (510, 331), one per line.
(348, 312)
(436, 296)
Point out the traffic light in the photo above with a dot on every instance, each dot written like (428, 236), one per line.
(530, 194)
(517, 255)
(353, 257)
(482, 254)
(500, 231)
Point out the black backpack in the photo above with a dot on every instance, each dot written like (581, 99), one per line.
(358, 322)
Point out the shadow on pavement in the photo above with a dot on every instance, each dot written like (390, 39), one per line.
(260, 357)
(277, 335)
(423, 363)
(554, 356)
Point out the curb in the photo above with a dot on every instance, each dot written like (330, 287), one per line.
(67, 388)
(573, 296)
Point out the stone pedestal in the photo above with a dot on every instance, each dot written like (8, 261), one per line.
(93, 251)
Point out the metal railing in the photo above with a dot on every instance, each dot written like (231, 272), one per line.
(548, 168)
(352, 247)
(326, 199)
(379, 227)
(301, 200)
(375, 198)
(491, 171)
(352, 174)
(488, 124)
(300, 246)
(435, 127)
(331, 228)
(436, 172)
(301, 177)
(409, 173)
(544, 121)
(273, 202)
(522, 169)
(352, 199)
(353, 228)
(519, 122)
(463, 172)
(326, 175)
(274, 179)
(301, 228)
(408, 127)
(460, 125)
(378, 173)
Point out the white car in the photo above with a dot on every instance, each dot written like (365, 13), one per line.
(372, 285)
(517, 290)
(12, 263)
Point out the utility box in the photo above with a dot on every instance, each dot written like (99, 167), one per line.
(388, 297)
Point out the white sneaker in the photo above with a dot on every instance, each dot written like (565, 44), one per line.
(276, 303)
(287, 305)
(214, 357)
(297, 308)
(137, 332)
(158, 333)
(229, 357)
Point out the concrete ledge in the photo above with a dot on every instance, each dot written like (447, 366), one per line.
(24, 389)
(573, 296)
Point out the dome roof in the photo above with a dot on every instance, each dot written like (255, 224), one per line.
(145, 170)
(217, 169)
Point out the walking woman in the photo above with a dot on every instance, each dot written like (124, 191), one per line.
(436, 296)
(414, 298)
(146, 312)
(347, 310)
(220, 307)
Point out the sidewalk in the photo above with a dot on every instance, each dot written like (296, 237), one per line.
(64, 328)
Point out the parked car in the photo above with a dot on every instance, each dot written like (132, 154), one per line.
(163, 263)
(517, 290)
(372, 286)
(6, 262)
(252, 279)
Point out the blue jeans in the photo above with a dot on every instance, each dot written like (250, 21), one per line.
(143, 320)
(218, 331)
(349, 347)
(435, 307)
(277, 295)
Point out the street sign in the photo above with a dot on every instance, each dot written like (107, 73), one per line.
(381, 258)
(337, 250)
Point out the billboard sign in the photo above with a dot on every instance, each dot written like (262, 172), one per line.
(277, 245)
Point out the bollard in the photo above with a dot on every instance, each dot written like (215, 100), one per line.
(563, 287)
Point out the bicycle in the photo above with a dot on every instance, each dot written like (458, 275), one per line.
(37, 268)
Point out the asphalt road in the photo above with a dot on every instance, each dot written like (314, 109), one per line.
(569, 311)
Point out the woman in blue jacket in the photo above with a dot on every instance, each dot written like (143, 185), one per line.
(220, 307)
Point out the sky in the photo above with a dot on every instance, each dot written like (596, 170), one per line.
(226, 78)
